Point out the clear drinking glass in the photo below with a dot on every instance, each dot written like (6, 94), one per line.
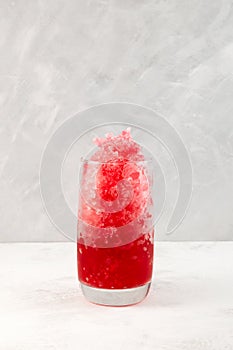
(115, 241)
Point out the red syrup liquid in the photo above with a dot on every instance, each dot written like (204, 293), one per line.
(126, 266)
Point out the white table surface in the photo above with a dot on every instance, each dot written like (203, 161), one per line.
(190, 305)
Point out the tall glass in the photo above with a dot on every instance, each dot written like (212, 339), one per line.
(115, 231)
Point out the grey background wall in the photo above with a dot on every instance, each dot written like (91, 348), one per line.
(58, 57)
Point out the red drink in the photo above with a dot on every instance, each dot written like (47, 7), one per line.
(115, 234)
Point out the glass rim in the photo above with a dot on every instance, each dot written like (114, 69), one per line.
(90, 161)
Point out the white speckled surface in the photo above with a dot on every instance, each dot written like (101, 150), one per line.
(190, 306)
(58, 57)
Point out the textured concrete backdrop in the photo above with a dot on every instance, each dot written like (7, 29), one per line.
(58, 57)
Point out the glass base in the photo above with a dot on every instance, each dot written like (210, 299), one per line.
(115, 297)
